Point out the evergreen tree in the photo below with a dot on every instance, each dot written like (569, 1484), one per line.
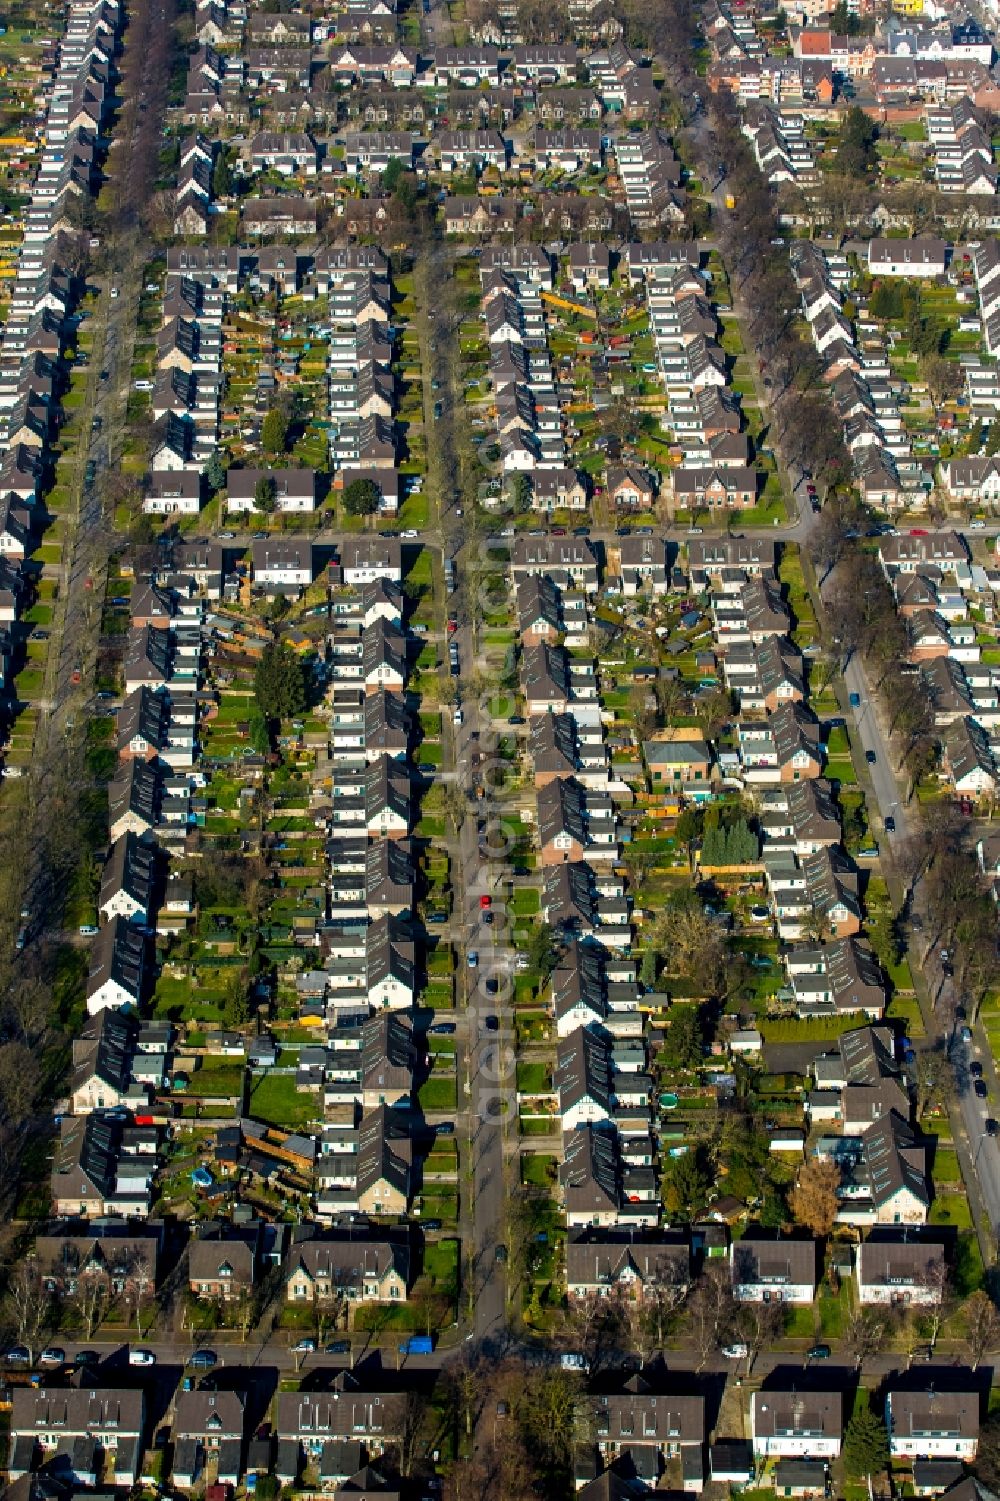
(866, 1443)
(265, 494)
(215, 473)
(274, 431)
(279, 682)
(361, 497)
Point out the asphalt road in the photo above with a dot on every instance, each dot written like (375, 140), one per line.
(874, 742)
(489, 1051)
(241, 1364)
(975, 1112)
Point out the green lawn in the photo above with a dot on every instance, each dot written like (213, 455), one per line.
(833, 1311)
(275, 1100)
(439, 1094)
(951, 1209)
(535, 1169)
(218, 1080)
(946, 1168)
(800, 1321)
(533, 1078)
(441, 1261)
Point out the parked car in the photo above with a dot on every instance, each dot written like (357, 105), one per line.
(304, 1347)
(141, 1357)
(870, 757)
(982, 1093)
(338, 1347)
(203, 1360)
(976, 1070)
(890, 825)
(52, 1355)
(735, 1352)
(500, 1255)
(472, 959)
(18, 1355)
(442, 1029)
(818, 1352)
(86, 1357)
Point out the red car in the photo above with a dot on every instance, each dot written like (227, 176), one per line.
(452, 625)
(485, 901)
(75, 675)
(918, 531)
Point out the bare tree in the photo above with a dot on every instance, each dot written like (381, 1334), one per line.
(756, 1325)
(865, 1334)
(982, 1326)
(708, 1310)
(596, 1324)
(663, 1297)
(940, 1302)
(139, 1286)
(932, 1076)
(30, 1304)
(90, 1297)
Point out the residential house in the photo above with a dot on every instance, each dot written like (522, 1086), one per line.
(117, 966)
(796, 1424)
(222, 1264)
(128, 884)
(350, 1265)
(933, 1424)
(903, 1272)
(773, 1269)
(87, 1432)
(637, 1263)
(208, 1424)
